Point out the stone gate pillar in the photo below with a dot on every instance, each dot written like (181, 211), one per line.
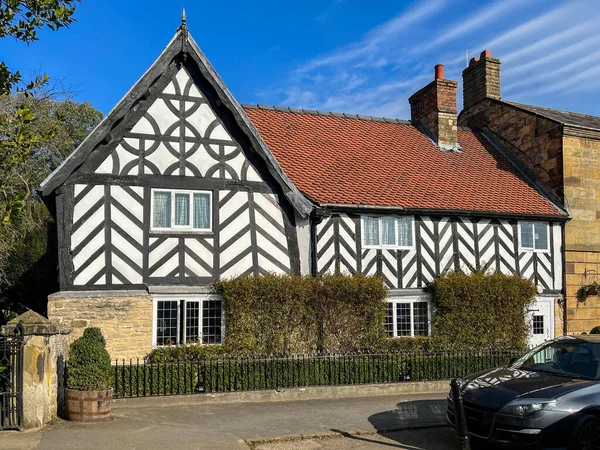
(44, 355)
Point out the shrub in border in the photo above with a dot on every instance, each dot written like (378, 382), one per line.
(481, 309)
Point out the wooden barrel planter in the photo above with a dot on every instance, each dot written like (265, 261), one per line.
(89, 406)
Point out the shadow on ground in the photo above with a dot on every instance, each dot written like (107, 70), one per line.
(395, 424)
(411, 414)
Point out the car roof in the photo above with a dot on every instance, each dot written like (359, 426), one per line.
(595, 338)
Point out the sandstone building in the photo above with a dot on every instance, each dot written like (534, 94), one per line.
(560, 152)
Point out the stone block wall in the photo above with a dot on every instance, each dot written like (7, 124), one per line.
(534, 142)
(582, 191)
(581, 268)
(125, 318)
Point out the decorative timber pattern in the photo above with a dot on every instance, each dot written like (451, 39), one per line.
(442, 244)
(179, 135)
(178, 139)
(109, 239)
(252, 234)
(107, 231)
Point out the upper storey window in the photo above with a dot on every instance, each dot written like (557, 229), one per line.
(181, 210)
(388, 232)
(534, 236)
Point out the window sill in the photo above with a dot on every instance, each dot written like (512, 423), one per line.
(390, 247)
(179, 231)
(532, 250)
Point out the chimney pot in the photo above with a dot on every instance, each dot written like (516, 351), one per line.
(486, 53)
(439, 72)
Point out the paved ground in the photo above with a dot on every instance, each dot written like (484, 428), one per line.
(218, 427)
(441, 438)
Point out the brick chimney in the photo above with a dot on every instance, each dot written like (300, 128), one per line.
(481, 79)
(434, 107)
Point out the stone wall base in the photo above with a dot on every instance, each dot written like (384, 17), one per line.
(125, 318)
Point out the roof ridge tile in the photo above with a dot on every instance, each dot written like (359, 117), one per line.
(318, 112)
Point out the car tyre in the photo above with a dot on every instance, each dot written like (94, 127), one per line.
(587, 434)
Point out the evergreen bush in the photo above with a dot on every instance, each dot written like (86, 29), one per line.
(481, 309)
(89, 367)
(283, 314)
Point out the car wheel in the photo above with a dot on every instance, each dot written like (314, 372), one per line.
(587, 434)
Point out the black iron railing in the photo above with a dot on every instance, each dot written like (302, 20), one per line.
(11, 380)
(139, 378)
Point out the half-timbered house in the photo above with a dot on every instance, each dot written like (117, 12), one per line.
(181, 186)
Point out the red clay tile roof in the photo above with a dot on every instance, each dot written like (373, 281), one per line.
(354, 161)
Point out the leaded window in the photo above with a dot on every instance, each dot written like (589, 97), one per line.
(408, 316)
(538, 324)
(534, 236)
(188, 320)
(181, 210)
(388, 232)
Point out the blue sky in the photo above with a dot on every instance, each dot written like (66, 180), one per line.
(354, 56)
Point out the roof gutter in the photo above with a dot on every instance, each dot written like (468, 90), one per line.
(325, 208)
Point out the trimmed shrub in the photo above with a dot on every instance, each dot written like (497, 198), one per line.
(595, 330)
(93, 334)
(222, 374)
(481, 309)
(350, 312)
(286, 314)
(89, 367)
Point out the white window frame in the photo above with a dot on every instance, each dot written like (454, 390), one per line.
(179, 228)
(386, 246)
(533, 249)
(411, 299)
(187, 298)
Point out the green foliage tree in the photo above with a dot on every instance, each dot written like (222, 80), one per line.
(89, 366)
(481, 309)
(28, 243)
(21, 20)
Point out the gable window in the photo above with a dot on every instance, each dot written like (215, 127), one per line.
(388, 232)
(181, 210)
(188, 320)
(408, 316)
(534, 236)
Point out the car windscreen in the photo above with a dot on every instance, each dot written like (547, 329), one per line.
(577, 359)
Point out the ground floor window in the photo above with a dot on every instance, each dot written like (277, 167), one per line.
(408, 316)
(187, 319)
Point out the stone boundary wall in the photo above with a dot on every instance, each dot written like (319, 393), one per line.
(124, 317)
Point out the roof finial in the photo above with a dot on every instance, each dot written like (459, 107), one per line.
(184, 34)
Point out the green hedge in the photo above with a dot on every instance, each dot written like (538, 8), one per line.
(224, 374)
(297, 314)
(481, 309)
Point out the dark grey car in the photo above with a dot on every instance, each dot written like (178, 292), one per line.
(549, 398)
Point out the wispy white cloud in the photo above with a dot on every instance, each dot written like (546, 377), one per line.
(553, 56)
(377, 36)
(552, 41)
(548, 75)
(326, 13)
(574, 83)
(475, 21)
(545, 49)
